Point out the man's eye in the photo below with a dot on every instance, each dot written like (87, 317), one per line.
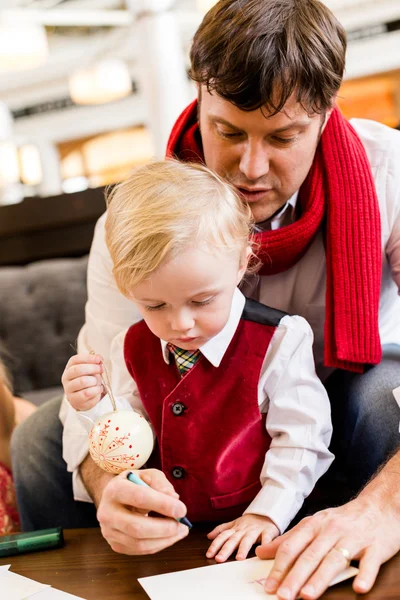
(229, 135)
(284, 141)
(158, 307)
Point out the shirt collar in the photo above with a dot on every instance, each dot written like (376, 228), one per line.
(284, 216)
(214, 349)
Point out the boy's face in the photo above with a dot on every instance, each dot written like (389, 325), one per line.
(187, 300)
(266, 159)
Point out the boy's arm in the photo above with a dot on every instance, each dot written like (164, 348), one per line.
(77, 425)
(298, 421)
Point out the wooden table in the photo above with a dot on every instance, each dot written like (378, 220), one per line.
(87, 567)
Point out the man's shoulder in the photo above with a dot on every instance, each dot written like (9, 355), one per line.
(380, 141)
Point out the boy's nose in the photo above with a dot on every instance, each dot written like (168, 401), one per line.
(182, 322)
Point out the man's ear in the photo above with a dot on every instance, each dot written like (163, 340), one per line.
(328, 113)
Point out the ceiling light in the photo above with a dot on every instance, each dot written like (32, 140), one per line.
(30, 164)
(103, 82)
(23, 45)
(9, 165)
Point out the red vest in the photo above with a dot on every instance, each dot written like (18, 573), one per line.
(211, 435)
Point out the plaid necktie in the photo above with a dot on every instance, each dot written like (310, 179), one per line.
(184, 359)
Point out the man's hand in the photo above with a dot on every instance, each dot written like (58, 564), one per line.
(242, 534)
(123, 514)
(308, 557)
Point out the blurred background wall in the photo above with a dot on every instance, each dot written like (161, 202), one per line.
(91, 88)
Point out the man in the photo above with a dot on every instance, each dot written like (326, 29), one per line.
(326, 201)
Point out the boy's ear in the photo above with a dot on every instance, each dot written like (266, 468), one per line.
(244, 261)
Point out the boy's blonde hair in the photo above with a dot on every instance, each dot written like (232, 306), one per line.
(166, 207)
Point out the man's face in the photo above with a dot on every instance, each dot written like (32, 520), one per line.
(266, 159)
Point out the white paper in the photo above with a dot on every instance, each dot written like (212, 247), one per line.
(16, 587)
(4, 569)
(232, 580)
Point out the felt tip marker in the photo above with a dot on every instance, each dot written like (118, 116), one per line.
(136, 479)
(19, 543)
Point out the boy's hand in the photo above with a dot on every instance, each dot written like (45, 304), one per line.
(242, 534)
(82, 380)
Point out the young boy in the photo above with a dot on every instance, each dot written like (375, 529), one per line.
(241, 420)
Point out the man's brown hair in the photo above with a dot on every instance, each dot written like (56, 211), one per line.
(257, 53)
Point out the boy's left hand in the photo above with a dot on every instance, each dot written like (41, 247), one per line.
(241, 533)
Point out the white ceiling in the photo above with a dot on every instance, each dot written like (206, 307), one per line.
(72, 47)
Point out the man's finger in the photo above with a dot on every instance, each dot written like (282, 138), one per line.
(122, 491)
(123, 544)
(369, 567)
(269, 550)
(287, 552)
(334, 562)
(137, 526)
(156, 480)
(308, 562)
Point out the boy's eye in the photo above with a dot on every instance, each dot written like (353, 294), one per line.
(158, 307)
(202, 302)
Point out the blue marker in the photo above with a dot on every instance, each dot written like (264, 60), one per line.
(136, 479)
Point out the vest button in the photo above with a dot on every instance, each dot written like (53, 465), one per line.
(178, 409)
(178, 472)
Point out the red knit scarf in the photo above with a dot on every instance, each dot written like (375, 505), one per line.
(339, 194)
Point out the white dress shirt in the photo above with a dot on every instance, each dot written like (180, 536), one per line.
(299, 290)
(289, 391)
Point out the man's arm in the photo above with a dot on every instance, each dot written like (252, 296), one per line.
(94, 479)
(107, 311)
(307, 558)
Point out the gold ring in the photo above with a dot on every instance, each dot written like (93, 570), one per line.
(345, 553)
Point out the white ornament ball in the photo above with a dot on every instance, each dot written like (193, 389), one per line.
(121, 440)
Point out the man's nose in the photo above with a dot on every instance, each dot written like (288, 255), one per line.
(254, 162)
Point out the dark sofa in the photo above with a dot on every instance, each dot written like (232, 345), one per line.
(42, 307)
